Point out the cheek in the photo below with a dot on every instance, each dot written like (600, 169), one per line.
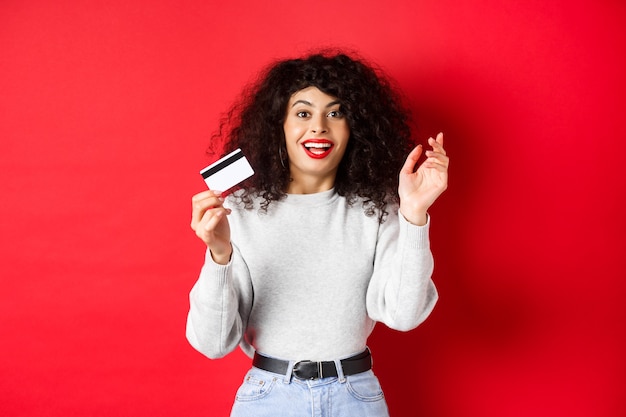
(293, 132)
(344, 129)
(345, 134)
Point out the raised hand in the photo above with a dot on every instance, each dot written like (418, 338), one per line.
(419, 188)
(208, 220)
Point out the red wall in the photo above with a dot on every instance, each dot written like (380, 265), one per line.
(106, 108)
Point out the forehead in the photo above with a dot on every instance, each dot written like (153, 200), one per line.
(312, 96)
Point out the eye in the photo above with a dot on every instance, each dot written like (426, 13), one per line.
(335, 114)
(302, 114)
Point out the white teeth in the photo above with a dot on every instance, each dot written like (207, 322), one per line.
(317, 145)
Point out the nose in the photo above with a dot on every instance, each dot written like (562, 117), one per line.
(319, 124)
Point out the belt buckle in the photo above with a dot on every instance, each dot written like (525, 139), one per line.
(308, 370)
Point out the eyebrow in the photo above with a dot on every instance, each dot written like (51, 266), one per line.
(308, 103)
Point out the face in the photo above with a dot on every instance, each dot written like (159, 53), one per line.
(316, 135)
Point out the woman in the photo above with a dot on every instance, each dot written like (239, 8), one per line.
(327, 238)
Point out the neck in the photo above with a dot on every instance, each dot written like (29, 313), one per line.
(310, 185)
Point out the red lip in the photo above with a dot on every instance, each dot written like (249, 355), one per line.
(318, 152)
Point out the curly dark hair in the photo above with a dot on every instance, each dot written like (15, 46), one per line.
(380, 137)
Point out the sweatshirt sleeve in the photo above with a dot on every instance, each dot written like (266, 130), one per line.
(219, 305)
(401, 293)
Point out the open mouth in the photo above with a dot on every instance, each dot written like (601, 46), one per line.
(317, 148)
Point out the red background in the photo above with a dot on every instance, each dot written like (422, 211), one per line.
(106, 108)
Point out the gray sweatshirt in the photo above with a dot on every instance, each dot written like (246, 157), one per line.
(309, 279)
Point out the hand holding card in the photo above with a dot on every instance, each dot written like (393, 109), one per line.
(227, 172)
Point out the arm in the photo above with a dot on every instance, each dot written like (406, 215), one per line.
(220, 302)
(401, 293)
(221, 298)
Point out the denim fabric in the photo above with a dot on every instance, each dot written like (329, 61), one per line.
(265, 394)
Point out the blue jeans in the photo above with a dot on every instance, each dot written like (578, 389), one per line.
(266, 394)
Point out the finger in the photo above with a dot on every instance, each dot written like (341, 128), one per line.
(436, 154)
(435, 163)
(200, 207)
(209, 223)
(411, 160)
(202, 195)
(437, 144)
(202, 202)
(215, 217)
(438, 159)
(436, 147)
(206, 195)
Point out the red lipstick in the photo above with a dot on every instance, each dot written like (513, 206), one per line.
(317, 148)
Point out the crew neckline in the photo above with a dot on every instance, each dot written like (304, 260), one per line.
(315, 199)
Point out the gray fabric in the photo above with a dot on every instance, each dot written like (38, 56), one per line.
(309, 279)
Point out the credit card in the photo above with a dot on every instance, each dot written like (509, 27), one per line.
(227, 172)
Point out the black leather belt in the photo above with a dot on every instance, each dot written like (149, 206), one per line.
(315, 370)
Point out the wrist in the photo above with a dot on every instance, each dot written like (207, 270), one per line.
(221, 258)
(416, 218)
